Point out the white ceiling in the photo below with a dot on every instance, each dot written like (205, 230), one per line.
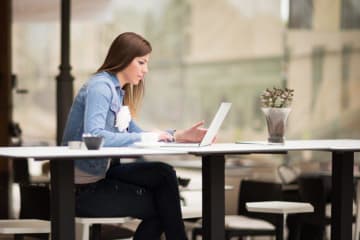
(49, 10)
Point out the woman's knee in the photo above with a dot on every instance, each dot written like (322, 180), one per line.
(165, 167)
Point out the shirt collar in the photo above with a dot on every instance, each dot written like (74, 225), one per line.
(116, 82)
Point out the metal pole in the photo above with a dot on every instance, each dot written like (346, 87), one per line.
(5, 104)
(284, 70)
(64, 86)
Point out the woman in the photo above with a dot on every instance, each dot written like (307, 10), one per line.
(105, 106)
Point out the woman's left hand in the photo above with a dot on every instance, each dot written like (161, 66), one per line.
(193, 134)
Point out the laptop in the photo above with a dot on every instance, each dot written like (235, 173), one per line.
(207, 139)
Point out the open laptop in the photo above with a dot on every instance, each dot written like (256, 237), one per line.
(208, 138)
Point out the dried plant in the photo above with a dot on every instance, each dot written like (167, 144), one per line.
(277, 97)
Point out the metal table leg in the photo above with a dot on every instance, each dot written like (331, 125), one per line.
(62, 199)
(213, 174)
(342, 192)
(357, 221)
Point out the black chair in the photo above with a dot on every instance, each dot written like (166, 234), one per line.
(34, 196)
(260, 223)
(314, 189)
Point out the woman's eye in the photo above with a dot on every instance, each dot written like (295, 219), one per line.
(141, 62)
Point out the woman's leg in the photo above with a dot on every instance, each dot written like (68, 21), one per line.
(161, 180)
(149, 228)
(112, 198)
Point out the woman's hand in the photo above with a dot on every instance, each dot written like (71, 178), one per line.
(156, 136)
(193, 134)
(165, 137)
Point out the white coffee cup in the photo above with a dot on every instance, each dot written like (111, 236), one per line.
(74, 144)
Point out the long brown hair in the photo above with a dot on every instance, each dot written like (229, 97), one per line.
(122, 51)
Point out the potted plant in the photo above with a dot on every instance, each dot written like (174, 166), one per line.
(276, 107)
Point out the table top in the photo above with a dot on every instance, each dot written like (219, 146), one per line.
(219, 148)
(289, 145)
(64, 152)
(281, 207)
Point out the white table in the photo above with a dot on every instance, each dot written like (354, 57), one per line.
(280, 207)
(213, 166)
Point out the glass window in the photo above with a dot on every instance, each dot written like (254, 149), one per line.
(301, 14)
(345, 67)
(317, 73)
(350, 14)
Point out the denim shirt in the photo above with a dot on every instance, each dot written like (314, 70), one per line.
(94, 111)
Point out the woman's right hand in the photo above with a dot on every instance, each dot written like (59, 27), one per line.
(194, 134)
(165, 137)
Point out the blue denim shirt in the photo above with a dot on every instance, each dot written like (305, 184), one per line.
(94, 111)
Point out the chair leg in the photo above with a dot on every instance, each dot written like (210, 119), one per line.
(95, 232)
(82, 231)
(195, 233)
(18, 237)
(280, 230)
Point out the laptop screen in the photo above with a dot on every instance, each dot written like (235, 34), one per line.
(215, 124)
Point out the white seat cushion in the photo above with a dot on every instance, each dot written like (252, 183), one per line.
(13, 226)
(242, 222)
(189, 212)
(99, 220)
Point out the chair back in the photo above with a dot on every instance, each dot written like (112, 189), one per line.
(35, 201)
(34, 197)
(255, 191)
(312, 189)
(21, 171)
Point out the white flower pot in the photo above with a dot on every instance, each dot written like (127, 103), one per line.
(276, 119)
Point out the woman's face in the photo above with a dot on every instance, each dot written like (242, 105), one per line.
(135, 71)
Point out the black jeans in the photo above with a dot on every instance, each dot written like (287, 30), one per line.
(144, 190)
